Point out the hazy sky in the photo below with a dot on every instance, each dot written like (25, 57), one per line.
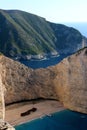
(53, 10)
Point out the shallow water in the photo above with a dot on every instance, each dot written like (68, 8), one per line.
(64, 120)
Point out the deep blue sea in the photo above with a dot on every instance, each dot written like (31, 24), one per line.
(63, 120)
(44, 62)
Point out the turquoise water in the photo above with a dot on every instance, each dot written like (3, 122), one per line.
(64, 120)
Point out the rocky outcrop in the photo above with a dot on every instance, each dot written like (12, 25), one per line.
(71, 81)
(22, 83)
(2, 104)
(5, 126)
(66, 81)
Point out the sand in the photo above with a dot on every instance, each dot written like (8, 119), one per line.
(45, 107)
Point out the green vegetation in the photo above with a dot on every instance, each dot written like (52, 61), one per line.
(22, 33)
(67, 37)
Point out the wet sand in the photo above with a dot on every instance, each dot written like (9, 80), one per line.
(45, 107)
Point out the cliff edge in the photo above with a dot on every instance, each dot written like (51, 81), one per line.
(71, 81)
(67, 81)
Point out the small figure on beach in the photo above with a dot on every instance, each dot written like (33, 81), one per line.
(29, 111)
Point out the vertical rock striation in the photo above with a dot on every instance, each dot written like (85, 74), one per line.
(67, 82)
(71, 81)
(2, 104)
(3, 125)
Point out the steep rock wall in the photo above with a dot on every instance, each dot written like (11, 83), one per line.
(22, 83)
(71, 81)
(66, 81)
(2, 104)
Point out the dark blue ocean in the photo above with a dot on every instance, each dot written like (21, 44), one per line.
(35, 64)
(63, 120)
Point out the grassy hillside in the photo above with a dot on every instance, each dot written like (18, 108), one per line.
(22, 33)
(68, 38)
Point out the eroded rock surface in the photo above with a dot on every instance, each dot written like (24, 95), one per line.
(66, 81)
(2, 103)
(22, 83)
(5, 126)
(71, 81)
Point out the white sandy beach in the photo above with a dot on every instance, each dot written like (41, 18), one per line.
(45, 107)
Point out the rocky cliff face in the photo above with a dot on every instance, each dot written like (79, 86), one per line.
(2, 107)
(22, 83)
(3, 125)
(71, 81)
(66, 81)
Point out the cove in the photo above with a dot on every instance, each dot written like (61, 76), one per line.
(63, 120)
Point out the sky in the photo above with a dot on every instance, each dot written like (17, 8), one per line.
(53, 10)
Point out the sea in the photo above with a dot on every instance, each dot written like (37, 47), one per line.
(63, 120)
(43, 63)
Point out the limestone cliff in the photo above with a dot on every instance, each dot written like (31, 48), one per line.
(3, 125)
(22, 83)
(2, 107)
(66, 81)
(71, 81)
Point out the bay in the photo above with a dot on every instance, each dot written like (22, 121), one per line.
(63, 120)
(43, 63)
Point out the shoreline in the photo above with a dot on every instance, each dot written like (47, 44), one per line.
(44, 108)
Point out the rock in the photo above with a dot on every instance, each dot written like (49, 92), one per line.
(67, 81)
(2, 104)
(23, 83)
(71, 81)
(5, 126)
